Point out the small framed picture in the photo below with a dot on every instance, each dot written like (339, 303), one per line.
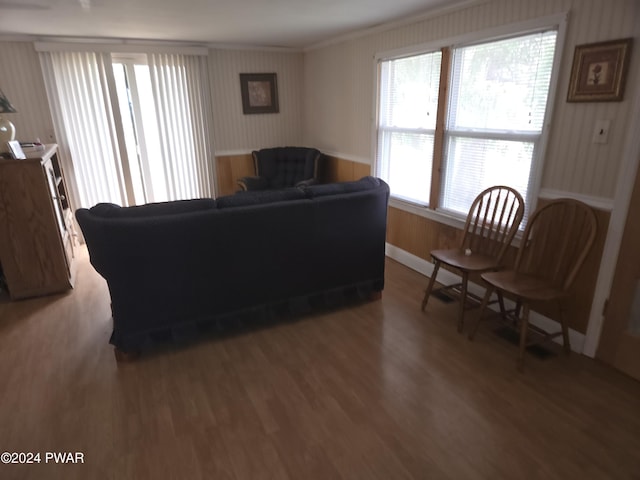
(259, 93)
(599, 71)
(16, 150)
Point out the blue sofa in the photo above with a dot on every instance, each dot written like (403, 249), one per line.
(176, 268)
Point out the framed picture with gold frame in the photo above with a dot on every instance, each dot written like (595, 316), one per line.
(599, 71)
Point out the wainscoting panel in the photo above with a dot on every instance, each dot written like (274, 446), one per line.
(336, 169)
(230, 169)
(418, 235)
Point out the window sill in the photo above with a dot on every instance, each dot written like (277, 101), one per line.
(440, 217)
(426, 212)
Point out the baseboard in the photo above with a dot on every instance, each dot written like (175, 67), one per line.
(425, 267)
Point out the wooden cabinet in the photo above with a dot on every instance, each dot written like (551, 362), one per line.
(36, 225)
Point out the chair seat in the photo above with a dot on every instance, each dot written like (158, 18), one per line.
(469, 263)
(523, 286)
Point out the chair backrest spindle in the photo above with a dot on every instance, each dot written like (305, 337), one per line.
(556, 241)
(493, 221)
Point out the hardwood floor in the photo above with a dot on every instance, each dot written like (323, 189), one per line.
(375, 391)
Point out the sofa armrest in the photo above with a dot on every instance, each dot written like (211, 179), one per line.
(307, 183)
(253, 183)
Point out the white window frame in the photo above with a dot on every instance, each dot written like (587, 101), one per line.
(382, 130)
(558, 21)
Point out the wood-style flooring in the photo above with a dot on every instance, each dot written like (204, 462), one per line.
(375, 391)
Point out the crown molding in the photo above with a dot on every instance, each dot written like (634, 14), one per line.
(409, 20)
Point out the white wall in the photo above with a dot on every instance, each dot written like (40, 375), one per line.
(327, 99)
(340, 101)
(21, 80)
(238, 133)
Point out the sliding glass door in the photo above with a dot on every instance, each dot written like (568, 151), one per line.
(132, 128)
(140, 128)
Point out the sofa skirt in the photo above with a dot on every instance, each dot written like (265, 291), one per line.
(188, 331)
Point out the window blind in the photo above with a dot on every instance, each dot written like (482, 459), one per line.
(497, 105)
(406, 124)
(179, 88)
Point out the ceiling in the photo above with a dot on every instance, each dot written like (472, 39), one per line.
(273, 23)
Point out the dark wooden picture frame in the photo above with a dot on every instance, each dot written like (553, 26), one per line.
(259, 93)
(599, 71)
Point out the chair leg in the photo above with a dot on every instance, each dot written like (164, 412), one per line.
(463, 300)
(516, 313)
(503, 310)
(485, 302)
(524, 327)
(565, 332)
(432, 281)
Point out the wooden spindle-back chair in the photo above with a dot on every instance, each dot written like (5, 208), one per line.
(491, 224)
(556, 241)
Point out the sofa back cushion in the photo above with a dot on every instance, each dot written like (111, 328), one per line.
(110, 210)
(258, 197)
(322, 190)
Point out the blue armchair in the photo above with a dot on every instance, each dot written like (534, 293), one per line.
(282, 167)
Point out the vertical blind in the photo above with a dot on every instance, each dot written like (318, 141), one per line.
(180, 92)
(88, 124)
(84, 125)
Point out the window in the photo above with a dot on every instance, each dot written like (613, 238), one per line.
(492, 119)
(408, 107)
